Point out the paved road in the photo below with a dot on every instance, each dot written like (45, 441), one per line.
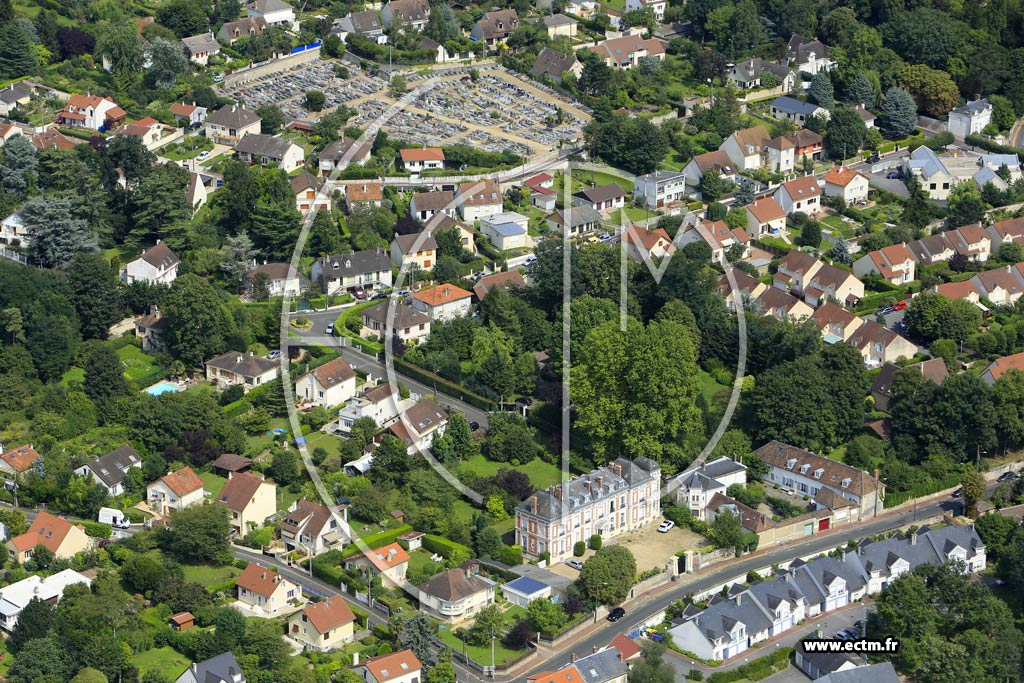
(363, 362)
(1017, 133)
(695, 583)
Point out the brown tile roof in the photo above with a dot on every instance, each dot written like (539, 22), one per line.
(182, 109)
(334, 372)
(744, 283)
(752, 140)
(804, 138)
(425, 415)
(183, 482)
(364, 192)
(752, 520)
(957, 290)
(648, 239)
(481, 192)
(408, 243)
(422, 154)
(52, 139)
(404, 315)
(306, 181)
(799, 188)
(182, 618)
(245, 364)
(434, 201)
(1000, 277)
(455, 584)
(714, 161)
(1010, 228)
(842, 176)
(832, 314)
(627, 647)
(797, 261)
(260, 580)
(240, 490)
(329, 614)
(999, 366)
(277, 271)
(603, 193)
(777, 454)
(159, 256)
(389, 667)
(46, 530)
(773, 298)
(766, 209)
(231, 462)
(871, 332)
(20, 459)
(442, 294)
(509, 278)
(310, 516)
(379, 393)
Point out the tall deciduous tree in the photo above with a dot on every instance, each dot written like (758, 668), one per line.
(199, 534)
(196, 325)
(845, 133)
(104, 375)
(608, 575)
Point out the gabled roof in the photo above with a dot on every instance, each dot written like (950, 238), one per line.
(552, 63)
(232, 462)
(601, 667)
(334, 372)
(258, 144)
(715, 161)
(578, 216)
(265, 6)
(569, 674)
(441, 294)
(262, 581)
(245, 364)
(498, 23)
(751, 140)
(232, 116)
(220, 669)
(425, 416)
(456, 584)
(389, 667)
(801, 49)
(804, 138)
(627, 647)
(52, 139)
(46, 530)
(802, 188)
(509, 278)
(779, 454)
(182, 109)
(648, 239)
(842, 176)
(789, 105)
(159, 256)
(833, 314)
(183, 482)
(355, 263)
(308, 516)
(329, 614)
(204, 42)
(766, 209)
(386, 557)
(883, 672)
(404, 316)
(604, 193)
(619, 49)
(799, 262)
(20, 459)
(13, 93)
(422, 153)
(479, 193)
(437, 200)
(111, 468)
(241, 488)
(364, 192)
(999, 366)
(344, 148)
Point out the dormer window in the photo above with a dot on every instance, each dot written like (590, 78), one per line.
(804, 468)
(791, 463)
(818, 472)
(845, 483)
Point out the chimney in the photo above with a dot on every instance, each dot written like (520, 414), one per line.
(600, 482)
(586, 485)
(355, 659)
(913, 537)
(739, 599)
(531, 504)
(558, 492)
(572, 658)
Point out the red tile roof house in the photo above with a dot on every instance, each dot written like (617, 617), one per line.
(766, 217)
(802, 194)
(60, 536)
(718, 236)
(1001, 366)
(91, 111)
(389, 562)
(748, 288)
(17, 460)
(324, 625)
(836, 323)
(894, 264)
(400, 667)
(443, 302)
(416, 159)
(959, 290)
(1002, 232)
(850, 185)
(265, 591)
(510, 279)
(643, 245)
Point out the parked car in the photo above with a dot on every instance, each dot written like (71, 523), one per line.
(1007, 476)
(378, 297)
(575, 564)
(666, 526)
(893, 175)
(616, 614)
(359, 294)
(474, 425)
(330, 328)
(899, 305)
(874, 158)
(886, 311)
(958, 493)
(203, 156)
(274, 354)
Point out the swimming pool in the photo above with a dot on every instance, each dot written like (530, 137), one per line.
(162, 388)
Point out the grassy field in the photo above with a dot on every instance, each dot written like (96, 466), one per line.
(632, 215)
(137, 364)
(482, 654)
(213, 483)
(166, 660)
(209, 576)
(541, 474)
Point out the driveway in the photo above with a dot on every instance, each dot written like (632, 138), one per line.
(653, 549)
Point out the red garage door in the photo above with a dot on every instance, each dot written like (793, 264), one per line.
(823, 524)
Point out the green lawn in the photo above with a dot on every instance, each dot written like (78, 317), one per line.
(329, 443)
(72, 375)
(212, 483)
(208, 575)
(138, 365)
(481, 655)
(633, 215)
(542, 474)
(420, 559)
(166, 660)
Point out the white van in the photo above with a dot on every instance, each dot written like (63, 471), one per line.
(114, 518)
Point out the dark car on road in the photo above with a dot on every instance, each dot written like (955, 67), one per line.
(1007, 476)
(616, 614)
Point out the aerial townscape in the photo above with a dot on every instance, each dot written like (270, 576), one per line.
(567, 341)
